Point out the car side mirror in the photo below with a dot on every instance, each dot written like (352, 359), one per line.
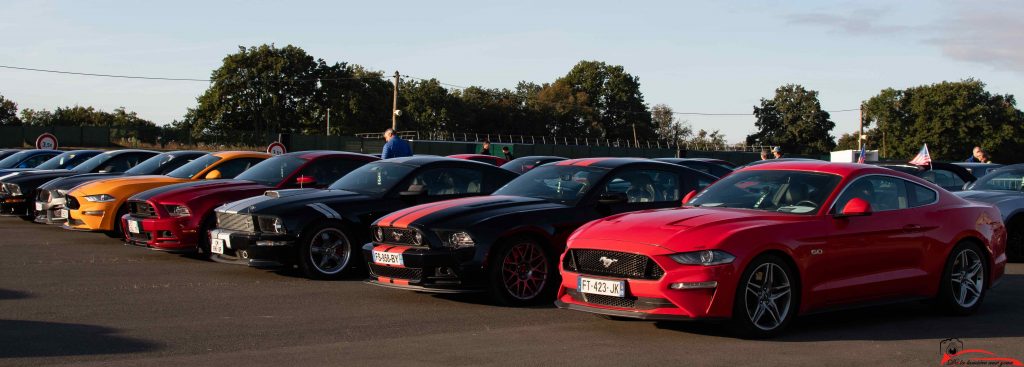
(414, 191)
(212, 175)
(689, 196)
(612, 198)
(856, 207)
(303, 181)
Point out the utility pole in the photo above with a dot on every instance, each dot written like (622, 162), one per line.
(636, 142)
(394, 106)
(328, 121)
(860, 136)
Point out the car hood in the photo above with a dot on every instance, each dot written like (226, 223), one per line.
(682, 229)
(38, 176)
(281, 202)
(990, 196)
(463, 213)
(12, 170)
(119, 186)
(223, 190)
(66, 183)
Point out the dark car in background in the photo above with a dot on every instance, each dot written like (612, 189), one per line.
(712, 167)
(489, 159)
(978, 169)
(523, 164)
(947, 175)
(20, 160)
(320, 231)
(17, 188)
(50, 196)
(508, 244)
(1004, 189)
(4, 153)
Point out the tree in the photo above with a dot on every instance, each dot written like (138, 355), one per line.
(707, 140)
(8, 112)
(615, 98)
(794, 120)
(872, 140)
(670, 130)
(951, 117)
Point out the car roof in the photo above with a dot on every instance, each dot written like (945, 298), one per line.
(123, 151)
(605, 162)
(313, 154)
(469, 156)
(240, 154)
(420, 160)
(836, 168)
(540, 157)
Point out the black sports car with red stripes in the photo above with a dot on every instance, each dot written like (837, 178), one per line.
(508, 243)
(317, 230)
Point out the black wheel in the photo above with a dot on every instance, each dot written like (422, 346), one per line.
(522, 272)
(118, 232)
(767, 298)
(325, 252)
(203, 242)
(1015, 240)
(963, 280)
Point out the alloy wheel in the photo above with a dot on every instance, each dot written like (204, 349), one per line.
(525, 271)
(967, 280)
(768, 296)
(329, 251)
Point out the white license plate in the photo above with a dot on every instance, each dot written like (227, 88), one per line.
(614, 288)
(217, 246)
(39, 206)
(388, 258)
(134, 227)
(63, 213)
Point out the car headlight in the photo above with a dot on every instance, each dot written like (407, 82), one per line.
(177, 210)
(101, 198)
(271, 225)
(705, 257)
(457, 240)
(378, 234)
(13, 189)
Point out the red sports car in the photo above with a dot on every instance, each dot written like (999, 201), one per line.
(176, 217)
(773, 241)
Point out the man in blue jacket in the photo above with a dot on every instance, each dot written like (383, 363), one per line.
(395, 146)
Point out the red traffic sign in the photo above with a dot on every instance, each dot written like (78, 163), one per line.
(46, 141)
(276, 148)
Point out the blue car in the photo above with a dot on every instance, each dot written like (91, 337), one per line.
(25, 159)
(1003, 188)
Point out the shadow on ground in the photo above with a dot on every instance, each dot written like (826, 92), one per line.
(47, 339)
(7, 294)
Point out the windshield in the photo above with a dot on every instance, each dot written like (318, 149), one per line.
(1006, 180)
(522, 165)
(92, 163)
(272, 171)
(194, 167)
(566, 184)
(373, 178)
(14, 159)
(67, 160)
(785, 191)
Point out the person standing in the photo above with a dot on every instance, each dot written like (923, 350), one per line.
(976, 155)
(394, 147)
(508, 154)
(777, 152)
(764, 154)
(487, 148)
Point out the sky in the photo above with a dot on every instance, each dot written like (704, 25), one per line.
(694, 56)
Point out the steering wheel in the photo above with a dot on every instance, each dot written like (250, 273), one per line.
(808, 202)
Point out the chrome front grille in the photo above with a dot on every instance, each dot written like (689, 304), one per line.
(612, 263)
(236, 222)
(397, 236)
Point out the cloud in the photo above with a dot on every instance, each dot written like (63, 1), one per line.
(992, 35)
(856, 22)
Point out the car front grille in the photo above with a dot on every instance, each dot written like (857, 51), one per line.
(398, 236)
(141, 237)
(394, 272)
(43, 196)
(621, 302)
(141, 209)
(236, 222)
(612, 263)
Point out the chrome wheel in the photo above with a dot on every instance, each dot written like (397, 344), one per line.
(768, 296)
(329, 251)
(525, 271)
(967, 279)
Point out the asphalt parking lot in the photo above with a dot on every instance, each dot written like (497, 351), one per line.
(85, 299)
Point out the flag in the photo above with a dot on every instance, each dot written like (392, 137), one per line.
(863, 148)
(922, 158)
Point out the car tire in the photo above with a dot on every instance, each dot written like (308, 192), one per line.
(319, 256)
(118, 232)
(203, 240)
(522, 272)
(964, 280)
(1015, 240)
(767, 298)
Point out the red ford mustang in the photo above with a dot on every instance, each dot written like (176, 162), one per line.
(773, 241)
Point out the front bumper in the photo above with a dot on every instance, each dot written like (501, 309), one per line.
(654, 299)
(90, 216)
(48, 212)
(255, 249)
(164, 234)
(14, 205)
(427, 269)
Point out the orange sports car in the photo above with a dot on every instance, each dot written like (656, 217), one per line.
(99, 205)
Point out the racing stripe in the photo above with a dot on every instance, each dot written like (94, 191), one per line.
(326, 210)
(567, 162)
(389, 219)
(588, 161)
(319, 209)
(404, 221)
(242, 204)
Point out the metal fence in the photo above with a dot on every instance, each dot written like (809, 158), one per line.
(565, 140)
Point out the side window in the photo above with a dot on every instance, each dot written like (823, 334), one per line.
(882, 192)
(645, 185)
(235, 166)
(942, 178)
(449, 181)
(920, 195)
(122, 162)
(36, 160)
(326, 171)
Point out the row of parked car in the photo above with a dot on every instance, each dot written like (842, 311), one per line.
(661, 239)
